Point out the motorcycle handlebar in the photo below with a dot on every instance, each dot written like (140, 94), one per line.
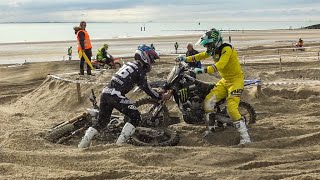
(93, 95)
(93, 99)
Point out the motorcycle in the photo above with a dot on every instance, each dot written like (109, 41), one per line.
(189, 94)
(150, 132)
(113, 63)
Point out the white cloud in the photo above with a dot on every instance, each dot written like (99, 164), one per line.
(158, 10)
(137, 14)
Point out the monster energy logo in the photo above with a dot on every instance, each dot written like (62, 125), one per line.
(183, 94)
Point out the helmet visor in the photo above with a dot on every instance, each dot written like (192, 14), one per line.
(204, 40)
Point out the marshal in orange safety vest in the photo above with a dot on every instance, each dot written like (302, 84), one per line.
(87, 42)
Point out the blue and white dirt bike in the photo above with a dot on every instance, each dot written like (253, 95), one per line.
(150, 132)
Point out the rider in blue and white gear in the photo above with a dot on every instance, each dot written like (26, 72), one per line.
(114, 96)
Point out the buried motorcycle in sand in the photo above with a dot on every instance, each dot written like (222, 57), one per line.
(150, 132)
(189, 94)
(110, 63)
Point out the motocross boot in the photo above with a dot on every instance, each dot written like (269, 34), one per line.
(127, 131)
(242, 129)
(85, 141)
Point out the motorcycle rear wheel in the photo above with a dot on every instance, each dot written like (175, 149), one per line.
(247, 112)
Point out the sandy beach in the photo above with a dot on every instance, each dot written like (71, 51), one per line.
(123, 47)
(286, 136)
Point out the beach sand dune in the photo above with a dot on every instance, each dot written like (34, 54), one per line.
(286, 136)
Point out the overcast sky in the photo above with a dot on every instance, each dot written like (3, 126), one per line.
(159, 10)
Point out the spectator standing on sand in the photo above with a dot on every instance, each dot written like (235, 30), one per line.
(84, 46)
(190, 52)
(176, 46)
(70, 52)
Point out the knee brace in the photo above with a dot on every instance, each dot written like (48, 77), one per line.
(209, 103)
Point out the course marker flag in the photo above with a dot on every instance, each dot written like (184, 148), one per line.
(82, 53)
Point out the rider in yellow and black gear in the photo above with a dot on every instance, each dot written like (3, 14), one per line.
(103, 55)
(231, 85)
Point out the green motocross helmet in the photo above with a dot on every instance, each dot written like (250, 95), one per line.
(212, 40)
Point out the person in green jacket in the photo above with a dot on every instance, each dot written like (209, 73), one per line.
(103, 55)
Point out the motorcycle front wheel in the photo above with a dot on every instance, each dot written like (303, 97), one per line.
(159, 136)
(147, 105)
(154, 132)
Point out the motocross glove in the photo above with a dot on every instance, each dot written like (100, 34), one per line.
(181, 58)
(199, 70)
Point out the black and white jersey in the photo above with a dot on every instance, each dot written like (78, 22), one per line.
(130, 75)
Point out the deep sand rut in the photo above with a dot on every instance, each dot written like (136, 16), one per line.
(286, 137)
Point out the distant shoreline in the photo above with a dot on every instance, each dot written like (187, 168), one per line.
(121, 47)
(108, 39)
(148, 37)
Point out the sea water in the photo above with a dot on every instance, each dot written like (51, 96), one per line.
(39, 32)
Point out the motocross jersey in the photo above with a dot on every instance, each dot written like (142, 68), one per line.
(130, 75)
(102, 54)
(225, 61)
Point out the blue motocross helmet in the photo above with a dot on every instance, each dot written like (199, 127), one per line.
(143, 57)
(150, 52)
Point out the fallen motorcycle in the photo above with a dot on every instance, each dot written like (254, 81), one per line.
(150, 131)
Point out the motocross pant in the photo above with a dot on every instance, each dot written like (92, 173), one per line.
(104, 60)
(89, 54)
(229, 89)
(113, 99)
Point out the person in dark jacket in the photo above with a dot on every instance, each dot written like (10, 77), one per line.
(114, 97)
(152, 47)
(176, 46)
(70, 52)
(191, 51)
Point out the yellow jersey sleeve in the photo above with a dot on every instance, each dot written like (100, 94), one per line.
(198, 57)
